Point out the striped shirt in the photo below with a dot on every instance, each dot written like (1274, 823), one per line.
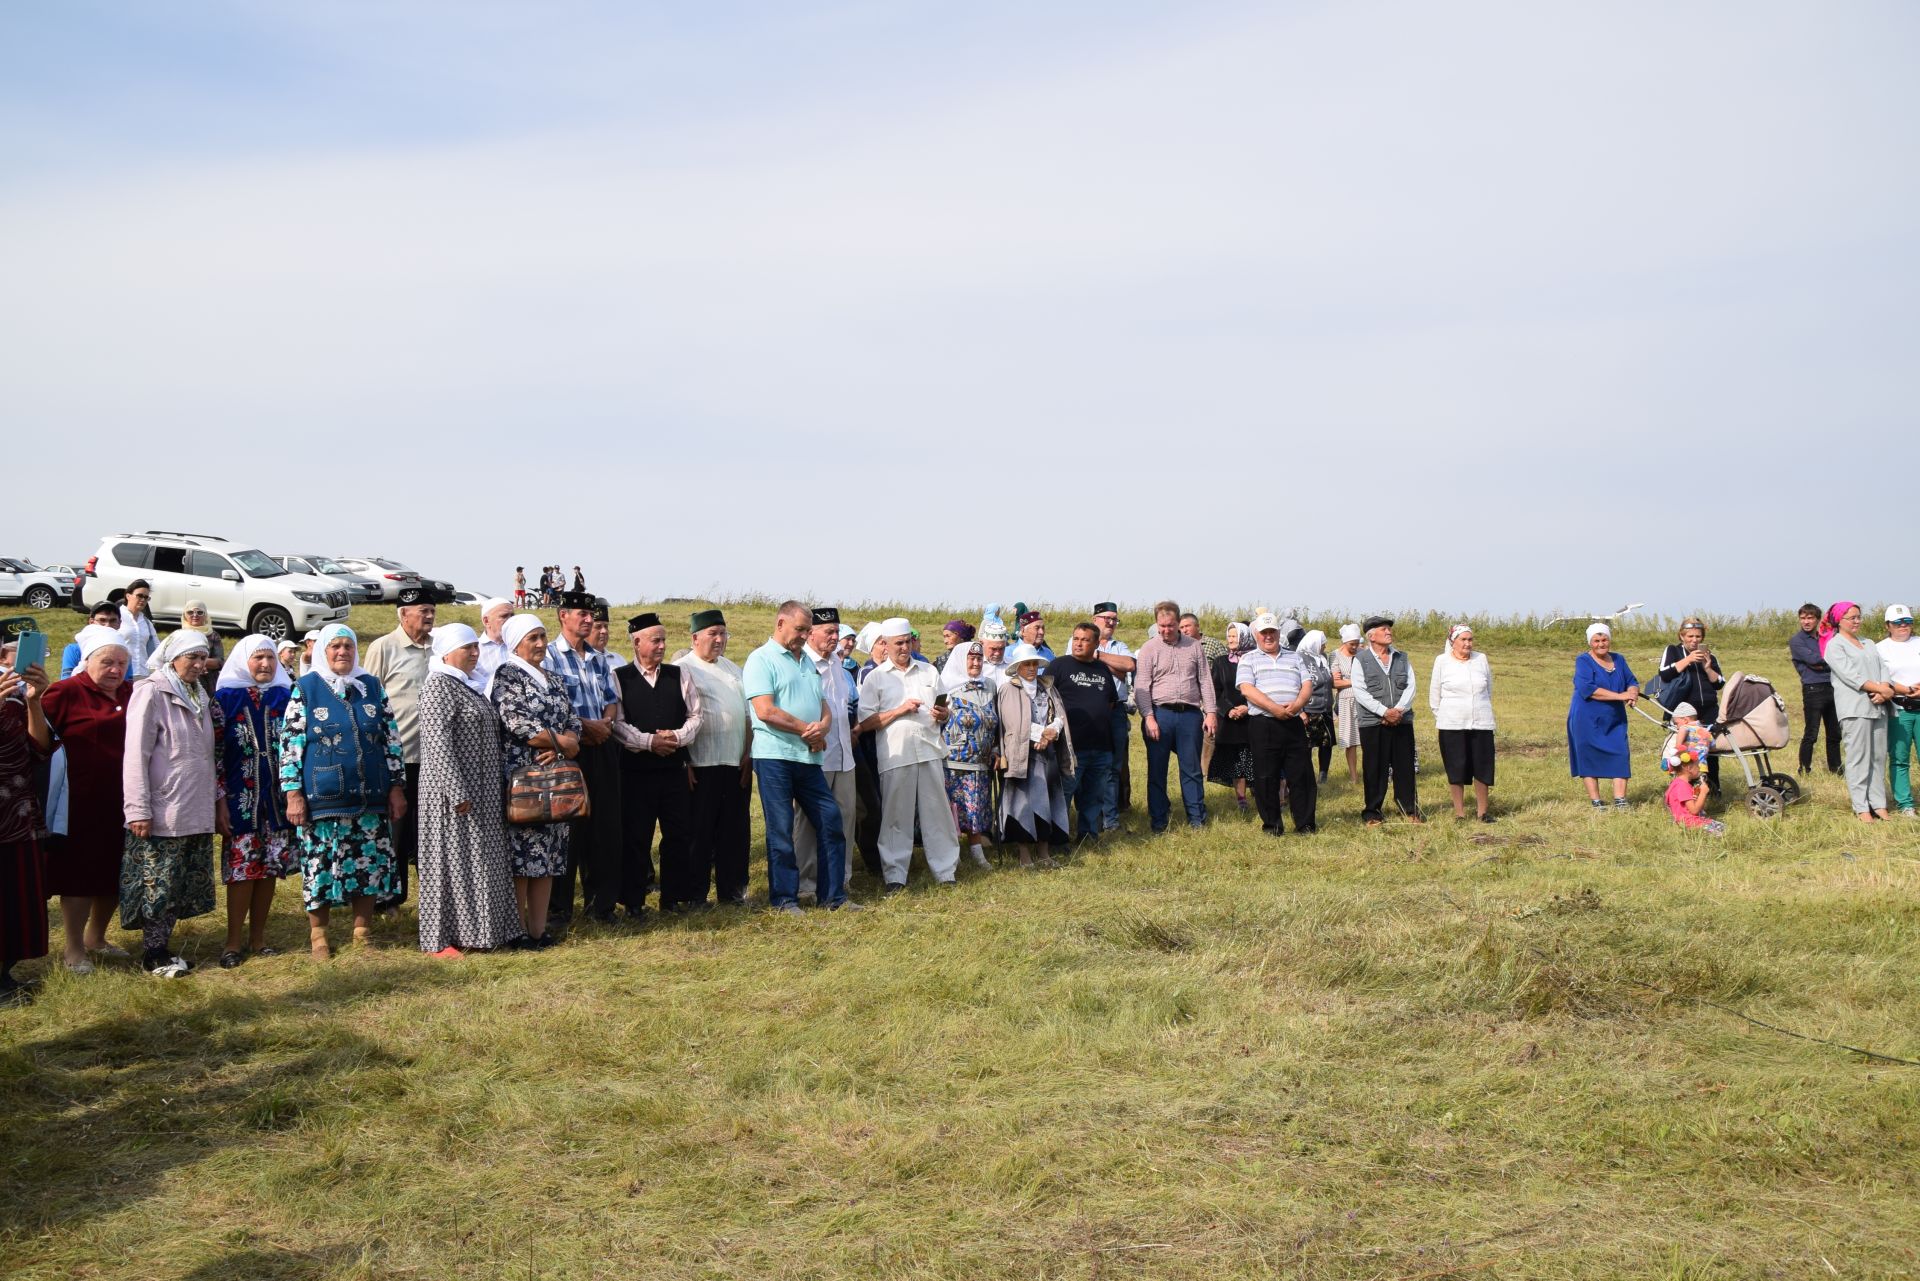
(1278, 676)
(585, 675)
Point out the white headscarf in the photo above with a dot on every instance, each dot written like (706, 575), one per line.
(511, 634)
(93, 636)
(1314, 644)
(234, 673)
(954, 675)
(324, 670)
(1598, 629)
(160, 665)
(1455, 632)
(863, 641)
(446, 638)
(1349, 633)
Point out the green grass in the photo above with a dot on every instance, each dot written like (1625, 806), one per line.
(1401, 1053)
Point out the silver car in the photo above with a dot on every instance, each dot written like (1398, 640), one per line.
(393, 577)
(360, 588)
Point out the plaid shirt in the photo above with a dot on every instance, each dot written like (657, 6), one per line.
(587, 677)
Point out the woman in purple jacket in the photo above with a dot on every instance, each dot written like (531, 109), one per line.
(172, 801)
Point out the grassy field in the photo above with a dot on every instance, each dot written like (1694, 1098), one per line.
(1408, 1052)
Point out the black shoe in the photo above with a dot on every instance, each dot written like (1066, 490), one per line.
(522, 944)
(895, 889)
(231, 960)
(266, 951)
(544, 942)
(734, 900)
(678, 909)
(601, 918)
(1308, 830)
(1487, 817)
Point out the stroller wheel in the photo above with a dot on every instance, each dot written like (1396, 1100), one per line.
(1784, 784)
(1766, 802)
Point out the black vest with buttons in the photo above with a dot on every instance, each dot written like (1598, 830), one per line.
(652, 708)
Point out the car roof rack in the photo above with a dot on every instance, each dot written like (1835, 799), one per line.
(174, 533)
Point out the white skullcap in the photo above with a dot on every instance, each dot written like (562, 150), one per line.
(1686, 709)
(451, 636)
(492, 603)
(892, 627)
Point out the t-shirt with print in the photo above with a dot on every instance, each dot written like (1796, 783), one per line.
(1087, 691)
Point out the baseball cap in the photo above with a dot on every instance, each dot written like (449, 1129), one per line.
(1265, 623)
(1899, 614)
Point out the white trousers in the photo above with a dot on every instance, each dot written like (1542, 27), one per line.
(907, 791)
(805, 839)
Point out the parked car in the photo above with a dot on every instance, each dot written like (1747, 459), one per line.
(437, 590)
(244, 589)
(466, 598)
(393, 577)
(37, 588)
(361, 590)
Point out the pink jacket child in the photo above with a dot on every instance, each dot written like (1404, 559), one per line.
(1687, 795)
(168, 771)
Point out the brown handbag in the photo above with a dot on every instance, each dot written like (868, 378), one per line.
(550, 793)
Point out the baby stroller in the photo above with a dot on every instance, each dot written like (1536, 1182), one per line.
(1753, 722)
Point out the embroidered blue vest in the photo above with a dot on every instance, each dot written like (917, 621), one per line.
(345, 770)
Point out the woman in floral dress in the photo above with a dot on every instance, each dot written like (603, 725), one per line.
(342, 768)
(536, 721)
(972, 734)
(252, 692)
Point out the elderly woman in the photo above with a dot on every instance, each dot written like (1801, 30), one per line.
(173, 802)
(25, 740)
(1689, 673)
(466, 883)
(194, 617)
(537, 723)
(1346, 714)
(954, 634)
(106, 614)
(342, 768)
(1603, 688)
(1232, 763)
(1035, 755)
(1861, 695)
(1318, 717)
(972, 736)
(1461, 696)
(88, 713)
(252, 692)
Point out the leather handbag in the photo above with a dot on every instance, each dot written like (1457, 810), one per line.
(551, 793)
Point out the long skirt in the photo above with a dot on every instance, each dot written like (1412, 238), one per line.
(1231, 763)
(162, 876)
(969, 791)
(23, 903)
(1346, 720)
(1033, 810)
(255, 856)
(466, 884)
(342, 859)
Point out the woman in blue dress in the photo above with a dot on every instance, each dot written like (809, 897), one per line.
(253, 691)
(1603, 688)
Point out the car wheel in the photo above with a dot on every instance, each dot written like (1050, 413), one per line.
(40, 596)
(272, 622)
(409, 595)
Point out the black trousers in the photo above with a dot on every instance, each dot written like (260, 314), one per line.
(660, 798)
(595, 849)
(1817, 703)
(866, 822)
(406, 841)
(1388, 750)
(1280, 750)
(717, 844)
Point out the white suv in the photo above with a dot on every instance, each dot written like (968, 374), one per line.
(245, 591)
(33, 586)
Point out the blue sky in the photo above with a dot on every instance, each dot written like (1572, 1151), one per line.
(1480, 306)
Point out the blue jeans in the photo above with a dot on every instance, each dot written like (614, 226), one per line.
(1120, 733)
(783, 785)
(1180, 736)
(1092, 792)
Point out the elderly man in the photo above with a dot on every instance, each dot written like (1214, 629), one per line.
(993, 652)
(790, 724)
(1274, 681)
(1118, 657)
(1173, 688)
(1900, 651)
(400, 660)
(836, 758)
(659, 721)
(494, 614)
(596, 843)
(901, 706)
(1383, 688)
(721, 760)
(1033, 630)
(1085, 685)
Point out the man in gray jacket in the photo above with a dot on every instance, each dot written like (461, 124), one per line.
(1383, 689)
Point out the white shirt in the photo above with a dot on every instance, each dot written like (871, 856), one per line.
(1902, 659)
(1363, 696)
(492, 654)
(723, 711)
(137, 634)
(686, 734)
(837, 756)
(909, 739)
(1122, 684)
(1461, 694)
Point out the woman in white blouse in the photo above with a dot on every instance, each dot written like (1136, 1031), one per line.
(1461, 696)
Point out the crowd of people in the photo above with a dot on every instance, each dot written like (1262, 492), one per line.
(357, 772)
(547, 586)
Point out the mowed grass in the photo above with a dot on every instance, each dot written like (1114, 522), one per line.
(1411, 1052)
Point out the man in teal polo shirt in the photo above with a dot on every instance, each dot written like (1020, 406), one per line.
(790, 723)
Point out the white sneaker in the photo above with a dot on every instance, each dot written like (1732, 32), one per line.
(174, 967)
(977, 856)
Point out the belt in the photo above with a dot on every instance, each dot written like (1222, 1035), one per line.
(1175, 707)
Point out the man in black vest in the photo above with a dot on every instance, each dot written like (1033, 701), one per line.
(1383, 688)
(660, 718)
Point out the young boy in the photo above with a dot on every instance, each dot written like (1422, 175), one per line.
(1687, 794)
(1689, 735)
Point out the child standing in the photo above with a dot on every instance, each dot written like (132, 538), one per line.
(1687, 794)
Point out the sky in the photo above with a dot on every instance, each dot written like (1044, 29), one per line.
(1484, 306)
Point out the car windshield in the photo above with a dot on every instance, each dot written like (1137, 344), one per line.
(11, 565)
(326, 566)
(257, 564)
(394, 565)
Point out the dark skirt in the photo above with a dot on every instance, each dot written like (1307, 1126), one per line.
(1320, 730)
(1231, 763)
(84, 868)
(23, 903)
(1467, 755)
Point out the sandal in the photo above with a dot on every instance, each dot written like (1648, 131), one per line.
(317, 943)
(231, 960)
